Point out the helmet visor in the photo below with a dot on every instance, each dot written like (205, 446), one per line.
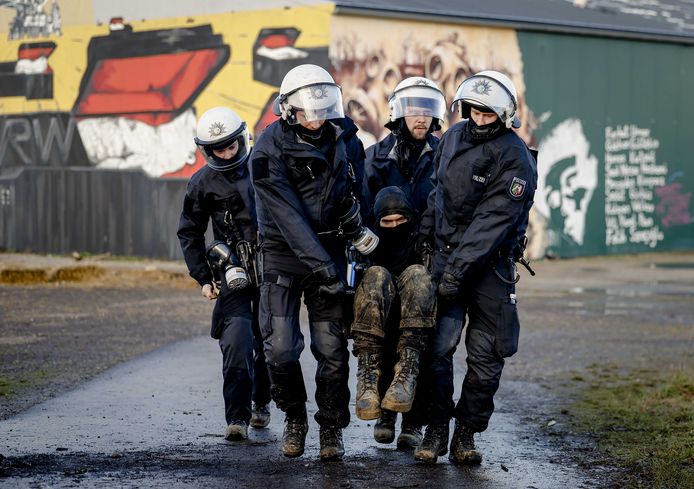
(418, 101)
(317, 102)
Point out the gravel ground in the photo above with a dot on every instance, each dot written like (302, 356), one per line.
(54, 335)
(627, 312)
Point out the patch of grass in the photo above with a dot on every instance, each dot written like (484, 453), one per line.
(645, 422)
(77, 274)
(22, 276)
(6, 387)
(10, 386)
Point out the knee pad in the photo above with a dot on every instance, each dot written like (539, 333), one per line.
(284, 342)
(484, 362)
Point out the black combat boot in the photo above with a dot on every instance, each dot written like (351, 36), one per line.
(434, 444)
(410, 435)
(368, 400)
(463, 446)
(400, 394)
(260, 416)
(331, 446)
(294, 437)
(384, 429)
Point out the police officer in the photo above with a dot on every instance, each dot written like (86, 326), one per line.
(477, 214)
(222, 192)
(307, 169)
(394, 303)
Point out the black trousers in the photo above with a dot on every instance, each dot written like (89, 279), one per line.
(235, 325)
(284, 343)
(489, 304)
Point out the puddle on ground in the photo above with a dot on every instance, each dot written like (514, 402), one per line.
(670, 265)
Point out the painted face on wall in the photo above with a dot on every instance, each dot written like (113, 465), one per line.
(566, 199)
(567, 178)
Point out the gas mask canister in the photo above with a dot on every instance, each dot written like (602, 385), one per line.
(363, 239)
(225, 265)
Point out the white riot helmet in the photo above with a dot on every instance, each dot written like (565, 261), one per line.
(489, 90)
(417, 96)
(311, 89)
(218, 129)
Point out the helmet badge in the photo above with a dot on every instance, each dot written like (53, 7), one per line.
(318, 92)
(422, 81)
(216, 129)
(482, 87)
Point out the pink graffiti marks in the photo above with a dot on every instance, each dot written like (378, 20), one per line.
(673, 207)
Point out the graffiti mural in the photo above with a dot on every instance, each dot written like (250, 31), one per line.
(146, 121)
(140, 87)
(46, 139)
(30, 76)
(32, 19)
(124, 96)
(371, 57)
(567, 179)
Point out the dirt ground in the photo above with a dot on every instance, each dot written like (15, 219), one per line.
(55, 334)
(628, 312)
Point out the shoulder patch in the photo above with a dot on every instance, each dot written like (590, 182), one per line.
(517, 187)
(260, 168)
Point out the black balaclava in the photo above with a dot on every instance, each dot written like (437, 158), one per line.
(322, 138)
(394, 247)
(407, 149)
(487, 131)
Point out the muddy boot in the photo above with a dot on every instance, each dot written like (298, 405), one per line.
(237, 430)
(384, 429)
(260, 416)
(410, 436)
(463, 447)
(434, 444)
(368, 403)
(331, 446)
(294, 437)
(400, 394)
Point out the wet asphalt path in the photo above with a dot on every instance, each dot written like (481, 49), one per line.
(156, 421)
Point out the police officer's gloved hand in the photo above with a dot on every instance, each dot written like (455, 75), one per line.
(449, 286)
(329, 281)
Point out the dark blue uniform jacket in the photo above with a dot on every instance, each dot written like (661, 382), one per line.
(226, 197)
(300, 194)
(381, 169)
(479, 206)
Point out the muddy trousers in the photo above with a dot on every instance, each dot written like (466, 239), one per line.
(491, 336)
(392, 313)
(284, 342)
(243, 362)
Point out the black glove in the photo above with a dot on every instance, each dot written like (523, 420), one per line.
(329, 282)
(449, 286)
